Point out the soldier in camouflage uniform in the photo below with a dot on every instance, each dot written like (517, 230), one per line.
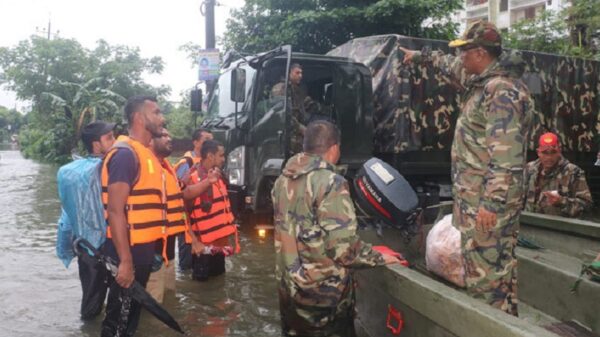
(488, 158)
(302, 106)
(554, 185)
(315, 240)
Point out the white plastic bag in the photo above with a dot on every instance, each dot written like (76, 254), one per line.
(443, 254)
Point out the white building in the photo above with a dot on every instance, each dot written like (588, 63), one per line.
(505, 13)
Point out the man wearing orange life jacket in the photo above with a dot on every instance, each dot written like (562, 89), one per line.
(164, 278)
(210, 216)
(190, 158)
(134, 197)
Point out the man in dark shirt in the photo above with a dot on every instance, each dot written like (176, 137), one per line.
(145, 121)
(163, 279)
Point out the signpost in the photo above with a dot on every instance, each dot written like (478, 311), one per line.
(209, 63)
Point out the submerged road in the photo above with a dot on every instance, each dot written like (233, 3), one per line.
(39, 297)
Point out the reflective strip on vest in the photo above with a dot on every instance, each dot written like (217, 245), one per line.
(217, 222)
(176, 215)
(146, 204)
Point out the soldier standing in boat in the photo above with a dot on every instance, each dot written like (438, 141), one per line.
(488, 158)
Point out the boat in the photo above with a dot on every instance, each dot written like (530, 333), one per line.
(412, 302)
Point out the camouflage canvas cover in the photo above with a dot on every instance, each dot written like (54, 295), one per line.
(415, 107)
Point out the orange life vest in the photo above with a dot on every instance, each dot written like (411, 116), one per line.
(146, 204)
(176, 215)
(212, 219)
(189, 158)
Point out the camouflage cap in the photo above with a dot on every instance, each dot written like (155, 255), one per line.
(479, 33)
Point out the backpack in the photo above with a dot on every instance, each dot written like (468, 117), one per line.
(80, 193)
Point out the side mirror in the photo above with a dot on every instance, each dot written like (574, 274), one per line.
(196, 100)
(238, 85)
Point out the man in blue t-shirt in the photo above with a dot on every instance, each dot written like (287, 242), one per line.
(145, 121)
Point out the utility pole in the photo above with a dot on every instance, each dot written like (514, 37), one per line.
(208, 10)
(210, 23)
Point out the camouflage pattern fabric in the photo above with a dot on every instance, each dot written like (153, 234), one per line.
(316, 246)
(301, 103)
(567, 179)
(488, 159)
(416, 106)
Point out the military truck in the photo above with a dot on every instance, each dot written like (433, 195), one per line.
(254, 124)
(403, 114)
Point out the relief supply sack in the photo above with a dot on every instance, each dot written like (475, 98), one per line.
(443, 254)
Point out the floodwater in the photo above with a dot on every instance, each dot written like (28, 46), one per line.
(39, 297)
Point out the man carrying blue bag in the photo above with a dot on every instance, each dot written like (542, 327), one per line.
(82, 214)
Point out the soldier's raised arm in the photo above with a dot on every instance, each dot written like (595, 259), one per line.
(450, 66)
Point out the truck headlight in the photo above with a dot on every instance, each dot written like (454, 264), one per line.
(236, 161)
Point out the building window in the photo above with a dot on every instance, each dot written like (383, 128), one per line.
(503, 5)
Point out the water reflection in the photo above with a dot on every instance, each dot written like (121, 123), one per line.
(40, 297)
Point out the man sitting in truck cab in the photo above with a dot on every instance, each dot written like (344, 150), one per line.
(554, 185)
(303, 106)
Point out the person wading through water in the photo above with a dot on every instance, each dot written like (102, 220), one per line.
(134, 196)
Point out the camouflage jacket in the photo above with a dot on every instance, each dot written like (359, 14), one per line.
(490, 139)
(303, 108)
(315, 235)
(567, 179)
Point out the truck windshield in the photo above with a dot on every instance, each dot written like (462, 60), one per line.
(220, 103)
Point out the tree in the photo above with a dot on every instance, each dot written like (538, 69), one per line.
(573, 31)
(317, 26)
(10, 123)
(583, 18)
(69, 86)
(179, 119)
(545, 33)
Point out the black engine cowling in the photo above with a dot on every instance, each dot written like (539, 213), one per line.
(382, 192)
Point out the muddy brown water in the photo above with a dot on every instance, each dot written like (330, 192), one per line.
(39, 297)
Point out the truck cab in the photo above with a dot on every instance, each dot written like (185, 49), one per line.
(253, 120)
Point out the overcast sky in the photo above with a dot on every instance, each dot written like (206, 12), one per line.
(157, 27)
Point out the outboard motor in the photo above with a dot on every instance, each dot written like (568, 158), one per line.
(382, 192)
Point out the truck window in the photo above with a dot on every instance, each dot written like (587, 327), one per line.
(312, 97)
(220, 104)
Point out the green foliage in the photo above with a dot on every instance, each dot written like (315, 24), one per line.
(179, 119)
(317, 26)
(69, 86)
(10, 123)
(569, 32)
(545, 33)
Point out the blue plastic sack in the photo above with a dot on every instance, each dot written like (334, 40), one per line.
(80, 193)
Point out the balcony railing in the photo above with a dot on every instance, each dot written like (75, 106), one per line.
(476, 2)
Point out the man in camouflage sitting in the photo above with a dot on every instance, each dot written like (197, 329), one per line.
(316, 244)
(554, 185)
(488, 158)
(303, 106)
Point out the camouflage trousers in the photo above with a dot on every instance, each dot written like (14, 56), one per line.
(490, 261)
(314, 321)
